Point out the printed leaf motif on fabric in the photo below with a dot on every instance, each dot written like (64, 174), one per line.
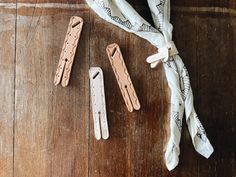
(171, 64)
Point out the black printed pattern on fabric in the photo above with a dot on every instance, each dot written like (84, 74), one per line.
(185, 82)
(171, 64)
(173, 146)
(177, 120)
(126, 23)
(160, 16)
(201, 133)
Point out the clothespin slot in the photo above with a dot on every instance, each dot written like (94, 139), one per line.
(68, 51)
(123, 77)
(98, 103)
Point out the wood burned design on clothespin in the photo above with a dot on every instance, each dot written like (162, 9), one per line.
(68, 51)
(98, 103)
(123, 78)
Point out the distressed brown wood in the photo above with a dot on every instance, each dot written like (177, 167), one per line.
(7, 58)
(47, 131)
(104, 162)
(217, 91)
(51, 123)
(134, 139)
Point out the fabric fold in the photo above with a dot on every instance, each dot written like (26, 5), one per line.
(109, 11)
(123, 15)
(196, 130)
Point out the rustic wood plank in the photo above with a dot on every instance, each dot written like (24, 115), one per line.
(51, 129)
(108, 158)
(7, 57)
(73, 2)
(232, 125)
(145, 126)
(134, 137)
(216, 79)
(11, 3)
(205, 3)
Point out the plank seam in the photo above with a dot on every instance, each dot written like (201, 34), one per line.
(45, 5)
(14, 94)
(89, 158)
(213, 9)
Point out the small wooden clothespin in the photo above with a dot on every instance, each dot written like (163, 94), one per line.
(163, 55)
(98, 103)
(68, 51)
(123, 78)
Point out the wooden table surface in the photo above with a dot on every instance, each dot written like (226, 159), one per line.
(47, 131)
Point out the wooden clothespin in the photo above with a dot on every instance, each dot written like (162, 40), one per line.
(98, 103)
(68, 51)
(123, 78)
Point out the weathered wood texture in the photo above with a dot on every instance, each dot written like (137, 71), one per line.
(7, 113)
(51, 123)
(47, 131)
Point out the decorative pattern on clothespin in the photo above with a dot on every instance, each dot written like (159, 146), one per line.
(68, 51)
(98, 103)
(123, 78)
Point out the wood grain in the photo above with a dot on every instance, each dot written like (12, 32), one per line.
(217, 91)
(47, 131)
(51, 122)
(145, 133)
(7, 58)
(104, 162)
(135, 135)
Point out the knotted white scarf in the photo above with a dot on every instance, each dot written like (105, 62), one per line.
(121, 13)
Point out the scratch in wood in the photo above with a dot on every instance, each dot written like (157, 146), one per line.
(32, 17)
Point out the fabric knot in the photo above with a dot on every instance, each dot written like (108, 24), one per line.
(163, 55)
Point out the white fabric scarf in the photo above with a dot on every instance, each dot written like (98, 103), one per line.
(121, 13)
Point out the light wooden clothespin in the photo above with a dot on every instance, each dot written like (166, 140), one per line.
(163, 55)
(68, 51)
(98, 103)
(123, 78)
